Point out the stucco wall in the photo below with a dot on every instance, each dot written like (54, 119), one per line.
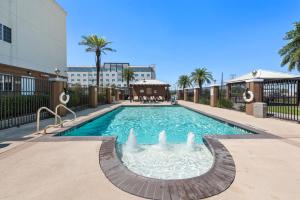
(38, 35)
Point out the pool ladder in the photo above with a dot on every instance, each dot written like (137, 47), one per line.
(56, 124)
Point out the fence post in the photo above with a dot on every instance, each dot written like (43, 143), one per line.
(93, 96)
(196, 95)
(117, 95)
(185, 94)
(214, 95)
(57, 87)
(255, 86)
(109, 95)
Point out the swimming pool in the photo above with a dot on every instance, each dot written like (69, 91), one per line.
(149, 121)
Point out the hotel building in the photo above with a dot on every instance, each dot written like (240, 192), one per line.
(110, 74)
(32, 39)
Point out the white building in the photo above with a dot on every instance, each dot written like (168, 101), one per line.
(32, 37)
(110, 74)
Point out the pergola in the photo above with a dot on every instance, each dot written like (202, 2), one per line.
(150, 88)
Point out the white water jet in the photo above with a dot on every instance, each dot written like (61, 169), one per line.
(131, 141)
(162, 140)
(190, 142)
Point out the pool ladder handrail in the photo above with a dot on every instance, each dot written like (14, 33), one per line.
(53, 113)
(71, 111)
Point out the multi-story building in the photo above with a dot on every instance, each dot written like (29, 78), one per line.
(32, 38)
(110, 74)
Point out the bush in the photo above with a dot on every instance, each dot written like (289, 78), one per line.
(225, 103)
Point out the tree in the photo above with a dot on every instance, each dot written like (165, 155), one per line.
(184, 81)
(291, 51)
(100, 46)
(200, 76)
(128, 75)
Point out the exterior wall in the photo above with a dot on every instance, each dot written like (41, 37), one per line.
(111, 73)
(38, 35)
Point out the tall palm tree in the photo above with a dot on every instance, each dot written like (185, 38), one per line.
(200, 76)
(184, 81)
(128, 75)
(291, 51)
(99, 45)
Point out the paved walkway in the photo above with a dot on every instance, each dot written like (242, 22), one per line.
(266, 168)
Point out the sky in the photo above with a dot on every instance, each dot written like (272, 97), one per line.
(178, 36)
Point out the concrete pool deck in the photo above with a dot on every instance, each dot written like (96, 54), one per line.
(265, 168)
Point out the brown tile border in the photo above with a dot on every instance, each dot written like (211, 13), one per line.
(213, 182)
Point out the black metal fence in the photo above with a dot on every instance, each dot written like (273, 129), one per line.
(79, 97)
(102, 95)
(236, 95)
(20, 98)
(282, 98)
(204, 96)
(190, 94)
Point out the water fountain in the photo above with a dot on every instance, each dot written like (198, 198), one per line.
(190, 142)
(131, 141)
(162, 140)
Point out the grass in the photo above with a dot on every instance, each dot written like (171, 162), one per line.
(284, 109)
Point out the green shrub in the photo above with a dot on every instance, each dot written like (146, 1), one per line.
(225, 103)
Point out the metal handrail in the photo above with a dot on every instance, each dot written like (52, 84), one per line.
(38, 117)
(61, 105)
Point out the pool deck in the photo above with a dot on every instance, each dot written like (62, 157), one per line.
(266, 168)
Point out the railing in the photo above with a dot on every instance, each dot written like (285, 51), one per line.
(282, 98)
(190, 94)
(65, 107)
(20, 98)
(53, 113)
(236, 96)
(102, 95)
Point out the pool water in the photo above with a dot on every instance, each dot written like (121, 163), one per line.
(148, 122)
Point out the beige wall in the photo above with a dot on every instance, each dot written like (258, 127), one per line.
(38, 35)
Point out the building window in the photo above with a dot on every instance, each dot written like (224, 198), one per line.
(113, 74)
(84, 79)
(78, 74)
(142, 75)
(6, 83)
(84, 74)
(120, 80)
(72, 74)
(78, 79)
(0, 31)
(27, 85)
(135, 74)
(107, 74)
(7, 34)
(148, 75)
(72, 80)
(113, 80)
(107, 80)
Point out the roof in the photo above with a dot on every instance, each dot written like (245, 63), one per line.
(263, 74)
(150, 82)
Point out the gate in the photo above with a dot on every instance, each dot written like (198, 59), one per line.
(282, 98)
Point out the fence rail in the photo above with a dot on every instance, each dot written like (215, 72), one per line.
(20, 98)
(79, 97)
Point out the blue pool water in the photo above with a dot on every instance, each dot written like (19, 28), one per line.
(148, 122)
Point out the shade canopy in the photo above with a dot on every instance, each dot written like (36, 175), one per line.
(149, 83)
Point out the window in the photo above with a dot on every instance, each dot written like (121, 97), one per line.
(78, 74)
(84, 79)
(84, 74)
(148, 75)
(135, 74)
(7, 34)
(72, 80)
(107, 80)
(113, 74)
(142, 75)
(72, 74)
(27, 85)
(113, 80)
(6, 82)
(107, 74)
(120, 80)
(78, 79)
(90, 75)
(0, 31)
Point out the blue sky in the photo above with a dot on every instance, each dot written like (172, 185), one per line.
(230, 36)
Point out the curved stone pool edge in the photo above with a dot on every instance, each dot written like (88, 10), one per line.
(216, 180)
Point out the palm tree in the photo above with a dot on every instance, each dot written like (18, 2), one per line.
(99, 45)
(128, 75)
(184, 81)
(291, 51)
(200, 76)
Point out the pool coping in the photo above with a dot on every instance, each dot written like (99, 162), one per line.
(214, 181)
